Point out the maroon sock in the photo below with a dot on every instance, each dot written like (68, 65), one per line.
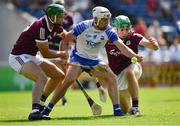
(35, 106)
(135, 102)
(43, 98)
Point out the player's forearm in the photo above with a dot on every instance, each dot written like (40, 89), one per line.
(125, 50)
(128, 52)
(152, 45)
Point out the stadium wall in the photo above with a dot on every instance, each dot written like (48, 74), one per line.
(160, 75)
(12, 23)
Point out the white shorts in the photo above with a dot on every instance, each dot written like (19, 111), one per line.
(17, 61)
(122, 81)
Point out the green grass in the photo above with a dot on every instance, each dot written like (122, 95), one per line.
(159, 106)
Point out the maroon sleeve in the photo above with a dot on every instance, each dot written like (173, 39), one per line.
(39, 31)
(26, 43)
(137, 38)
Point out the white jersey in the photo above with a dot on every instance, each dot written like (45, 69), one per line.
(89, 40)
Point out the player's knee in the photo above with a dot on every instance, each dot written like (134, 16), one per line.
(129, 72)
(111, 81)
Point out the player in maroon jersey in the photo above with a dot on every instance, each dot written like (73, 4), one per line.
(24, 58)
(128, 73)
(67, 24)
(56, 45)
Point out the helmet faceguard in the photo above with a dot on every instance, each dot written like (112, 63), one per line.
(122, 21)
(101, 12)
(54, 10)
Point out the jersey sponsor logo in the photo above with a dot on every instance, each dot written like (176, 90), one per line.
(96, 32)
(92, 44)
(114, 52)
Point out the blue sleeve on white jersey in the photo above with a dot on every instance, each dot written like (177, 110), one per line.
(78, 29)
(112, 35)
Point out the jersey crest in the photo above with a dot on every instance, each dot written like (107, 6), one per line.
(128, 42)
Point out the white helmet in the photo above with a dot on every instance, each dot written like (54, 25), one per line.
(101, 12)
(56, 1)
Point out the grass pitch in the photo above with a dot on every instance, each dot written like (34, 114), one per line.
(159, 106)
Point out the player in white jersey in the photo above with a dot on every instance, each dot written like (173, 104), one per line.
(90, 36)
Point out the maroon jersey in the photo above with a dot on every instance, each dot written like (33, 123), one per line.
(68, 22)
(37, 31)
(117, 61)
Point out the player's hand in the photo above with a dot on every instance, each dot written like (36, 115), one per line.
(64, 55)
(154, 42)
(139, 58)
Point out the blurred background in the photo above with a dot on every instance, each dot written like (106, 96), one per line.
(149, 17)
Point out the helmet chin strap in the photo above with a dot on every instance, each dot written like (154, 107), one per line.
(98, 21)
(53, 22)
